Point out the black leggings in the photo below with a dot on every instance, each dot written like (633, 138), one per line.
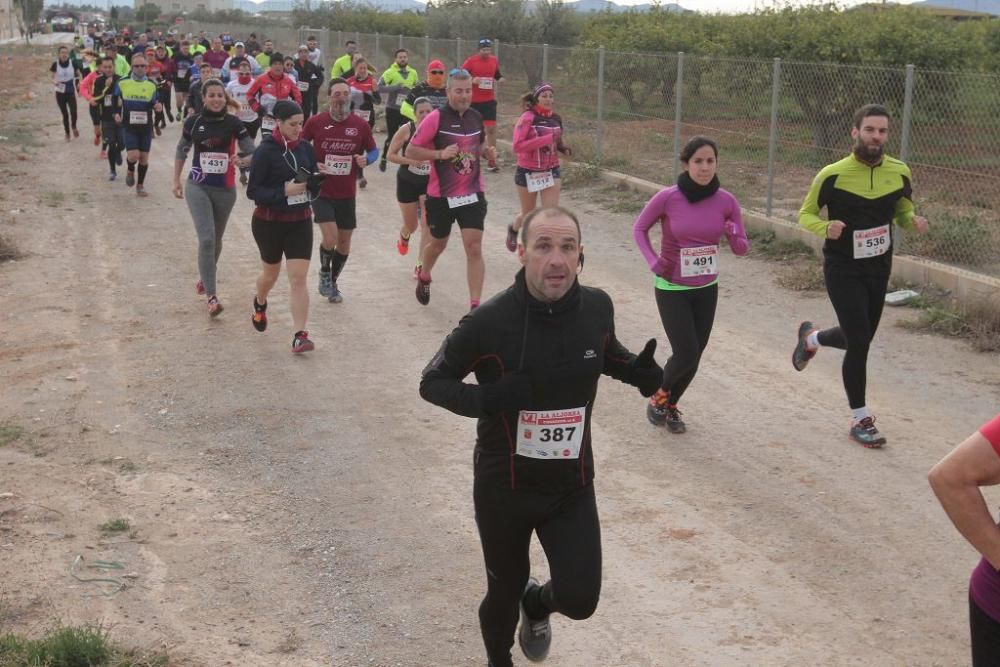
(568, 529)
(393, 119)
(858, 301)
(985, 634)
(67, 106)
(687, 317)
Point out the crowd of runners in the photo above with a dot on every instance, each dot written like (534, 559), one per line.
(299, 139)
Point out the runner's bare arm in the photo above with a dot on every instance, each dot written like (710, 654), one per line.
(956, 480)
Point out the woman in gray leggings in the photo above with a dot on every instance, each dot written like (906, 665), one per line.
(216, 136)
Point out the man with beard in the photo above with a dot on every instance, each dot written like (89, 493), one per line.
(452, 138)
(394, 85)
(343, 144)
(864, 194)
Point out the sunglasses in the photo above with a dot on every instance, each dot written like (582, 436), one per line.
(437, 71)
(138, 66)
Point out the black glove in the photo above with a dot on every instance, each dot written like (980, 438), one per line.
(511, 392)
(646, 373)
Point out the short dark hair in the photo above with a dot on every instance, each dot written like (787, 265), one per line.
(104, 59)
(312, 37)
(349, 42)
(549, 212)
(334, 81)
(398, 51)
(694, 143)
(867, 111)
(277, 58)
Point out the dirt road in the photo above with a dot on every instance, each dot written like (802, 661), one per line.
(314, 511)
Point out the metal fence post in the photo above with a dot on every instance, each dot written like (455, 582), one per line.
(357, 38)
(599, 140)
(378, 47)
(904, 139)
(772, 144)
(545, 62)
(458, 51)
(427, 48)
(400, 42)
(496, 48)
(678, 107)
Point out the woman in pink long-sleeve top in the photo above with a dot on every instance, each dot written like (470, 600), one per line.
(537, 143)
(693, 216)
(87, 93)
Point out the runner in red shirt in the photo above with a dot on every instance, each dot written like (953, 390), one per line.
(270, 87)
(485, 70)
(343, 144)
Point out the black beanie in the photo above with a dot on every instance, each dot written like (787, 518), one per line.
(285, 109)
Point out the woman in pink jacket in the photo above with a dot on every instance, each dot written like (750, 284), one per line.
(87, 93)
(537, 143)
(693, 217)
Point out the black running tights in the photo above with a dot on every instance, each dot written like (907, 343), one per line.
(67, 106)
(687, 317)
(985, 634)
(858, 301)
(568, 530)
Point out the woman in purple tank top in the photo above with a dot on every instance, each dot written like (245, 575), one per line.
(956, 481)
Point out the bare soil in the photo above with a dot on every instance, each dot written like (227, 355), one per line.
(314, 511)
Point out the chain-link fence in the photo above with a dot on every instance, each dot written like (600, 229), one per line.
(777, 122)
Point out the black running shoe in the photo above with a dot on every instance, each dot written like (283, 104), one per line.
(130, 178)
(535, 634)
(674, 422)
(511, 239)
(382, 165)
(423, 292)
(801, 355)
(259, 317)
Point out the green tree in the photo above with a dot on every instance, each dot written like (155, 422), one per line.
(28, 14)
(147, 13)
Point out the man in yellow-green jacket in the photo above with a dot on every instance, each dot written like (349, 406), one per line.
(394, 85)
(864, 195)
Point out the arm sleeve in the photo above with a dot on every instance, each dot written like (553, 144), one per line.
(738, 241)
(426, 131)
(307, 131)
(371, 149)
(809, 213)
(617, 359)
(651, 213)
(296, 94)
(406, 108)
(904, 207)
(252, 95)
(184, 143)
(257, 190)
(525, 138)
(498, 75)
(441, 381)
(245, 143)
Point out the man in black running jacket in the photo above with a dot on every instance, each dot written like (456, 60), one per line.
(538, 350)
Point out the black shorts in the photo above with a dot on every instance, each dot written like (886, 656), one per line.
(488, 110)
(294, 240)
(95, 115)
(342, 212)
(408, 191)
(440, 216)
(521, 175)
(183, 85)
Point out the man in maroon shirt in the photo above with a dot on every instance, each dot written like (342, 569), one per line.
(343, 144)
